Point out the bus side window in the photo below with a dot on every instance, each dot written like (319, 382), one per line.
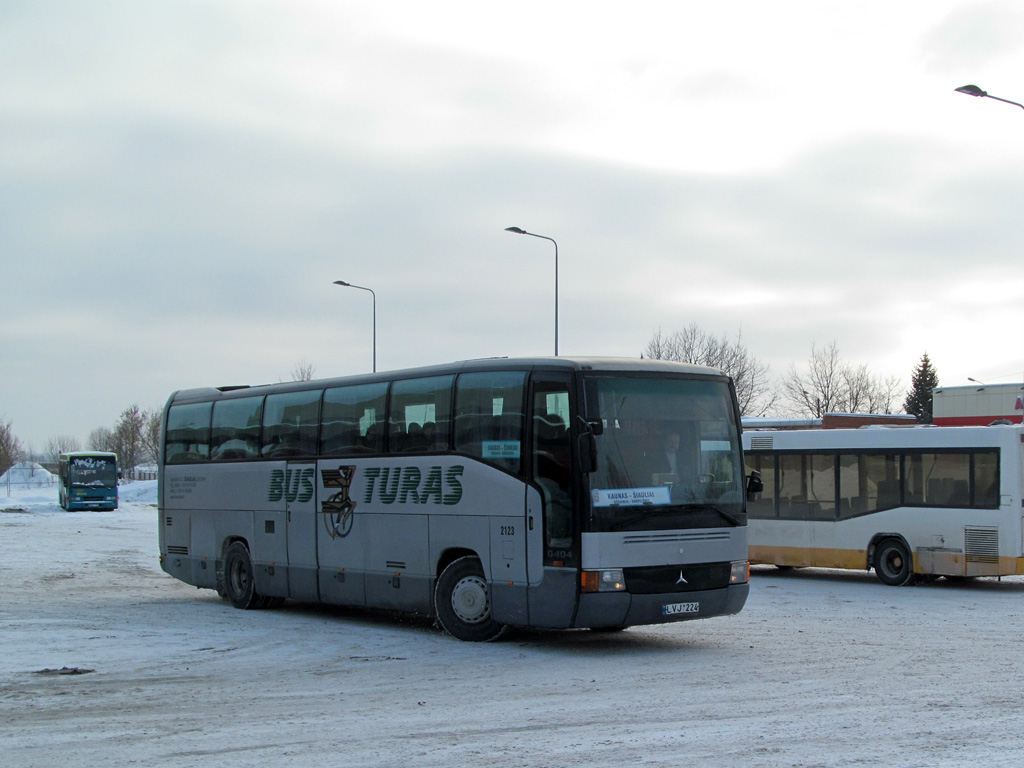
(419, 418)
(290, 422)
(552, 457)
(352, 420)
(188, 433)
(489, 417)
(236, 429)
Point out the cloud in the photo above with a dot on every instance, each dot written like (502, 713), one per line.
(972, 36)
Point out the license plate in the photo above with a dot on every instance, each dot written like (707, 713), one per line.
(670, 609)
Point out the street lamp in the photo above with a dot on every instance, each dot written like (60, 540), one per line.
(973, 90)
(361, 288)
(518, 231)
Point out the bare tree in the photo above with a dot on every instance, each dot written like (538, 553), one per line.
(151, 434)
(754, 389)
(128, 436)
(55, 446)
(101, 439)
(831, 385)
(11, 451)
(303, 371)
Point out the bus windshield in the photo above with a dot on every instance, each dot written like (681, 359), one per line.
(92, 471)
(667, 454)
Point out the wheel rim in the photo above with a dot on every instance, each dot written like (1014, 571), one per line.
(469, 600)
(893, 563)
(239, 578)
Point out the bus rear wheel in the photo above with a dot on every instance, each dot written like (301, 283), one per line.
(462, 601)
(239, 582)
(893, 563)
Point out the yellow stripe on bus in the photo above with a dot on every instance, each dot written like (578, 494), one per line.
(945, 563)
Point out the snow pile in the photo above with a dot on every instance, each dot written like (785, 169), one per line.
(27, 474)
(138, 492)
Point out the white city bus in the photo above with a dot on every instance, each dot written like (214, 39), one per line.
(912, 503)
(489, 493)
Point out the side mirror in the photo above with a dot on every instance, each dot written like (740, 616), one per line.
(755, 485)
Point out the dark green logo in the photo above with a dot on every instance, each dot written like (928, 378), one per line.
(409, 485)
(291, 484)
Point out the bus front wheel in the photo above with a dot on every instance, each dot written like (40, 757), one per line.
(239, 581)
(893, 564)
(462, 601)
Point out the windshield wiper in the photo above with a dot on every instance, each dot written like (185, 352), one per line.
(734, 520)
(647, 511)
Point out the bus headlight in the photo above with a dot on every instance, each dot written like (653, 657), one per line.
(608, 580)
(740, 572)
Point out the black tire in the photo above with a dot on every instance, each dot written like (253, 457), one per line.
(893, 563)
(239, 580)
(462, 601)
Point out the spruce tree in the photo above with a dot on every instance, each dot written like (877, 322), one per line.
(922, 382)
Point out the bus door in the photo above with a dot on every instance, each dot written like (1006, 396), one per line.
(552, 543)
(300, 494)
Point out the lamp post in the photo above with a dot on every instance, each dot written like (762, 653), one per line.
(361, 288)
(973, 90)
(518, 231)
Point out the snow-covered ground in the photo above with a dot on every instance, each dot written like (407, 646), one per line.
(822, 668)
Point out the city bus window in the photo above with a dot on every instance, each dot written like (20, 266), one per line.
(489, 417)
(807, 486)
(763, 504)
(236, 429)
(419, 417)
(353, 420)
(986, 479)
(290, 421)
(938, 479)
(868, 483)
(188, 433)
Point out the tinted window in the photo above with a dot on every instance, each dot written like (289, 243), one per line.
(419, 414)
(290, 423)
(489, 417)
(188, 433)
(236, 429)
(353, 420)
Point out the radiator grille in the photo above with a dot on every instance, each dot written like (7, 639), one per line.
(677, 578)
(177, 550)
(981, 545)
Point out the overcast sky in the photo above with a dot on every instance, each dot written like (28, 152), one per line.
(181, 181)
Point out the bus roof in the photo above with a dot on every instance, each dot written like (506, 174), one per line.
(621, 364)
(881, 438)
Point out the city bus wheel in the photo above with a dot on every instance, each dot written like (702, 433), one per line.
(462, 600)
(893, 563)
(239, 581)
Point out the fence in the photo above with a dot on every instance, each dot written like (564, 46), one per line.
(139, 474)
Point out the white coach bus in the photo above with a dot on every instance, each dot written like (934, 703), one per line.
(548, 492)
(912, 503)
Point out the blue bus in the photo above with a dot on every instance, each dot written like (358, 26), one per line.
(88, 480)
